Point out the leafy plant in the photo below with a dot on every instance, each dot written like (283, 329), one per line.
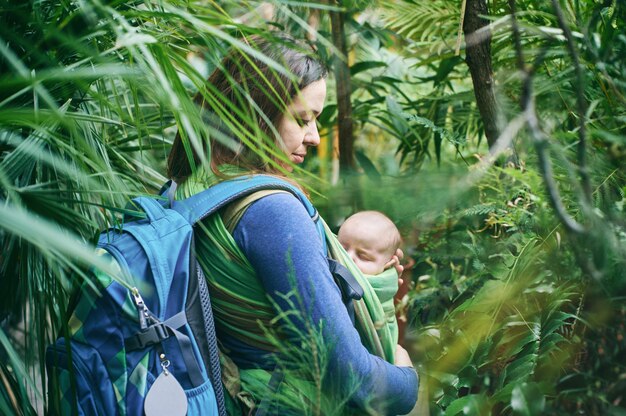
(510, 313)
(92, 95)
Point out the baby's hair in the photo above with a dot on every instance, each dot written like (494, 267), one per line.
(388, 230)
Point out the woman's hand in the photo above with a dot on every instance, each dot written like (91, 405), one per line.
(395, 262)
(402, 357)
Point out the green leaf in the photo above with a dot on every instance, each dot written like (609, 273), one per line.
(516, 340)
(395, 113)
(486, 298)
(474, 404)
(552, 339)
(527, 399)
(555, 321)
(327, 114)
(615, 411)
(365, 65)
(445, 379)
(367, 165)
(481, 209)
(503, 395)
(521, 368)
(468, 376)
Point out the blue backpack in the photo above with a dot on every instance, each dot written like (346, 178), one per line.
(148, 345)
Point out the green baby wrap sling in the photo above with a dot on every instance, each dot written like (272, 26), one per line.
(244, 311)
(385, 286)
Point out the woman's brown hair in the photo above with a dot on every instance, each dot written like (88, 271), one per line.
(244, 87)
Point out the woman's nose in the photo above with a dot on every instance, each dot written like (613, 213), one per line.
(312, 136)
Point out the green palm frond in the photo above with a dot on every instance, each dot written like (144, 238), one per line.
(92, 94)
(422, 21)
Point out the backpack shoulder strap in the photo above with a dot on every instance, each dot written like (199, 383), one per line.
(204, 203)
(233, 212)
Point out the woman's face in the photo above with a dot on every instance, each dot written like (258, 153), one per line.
(298, 126)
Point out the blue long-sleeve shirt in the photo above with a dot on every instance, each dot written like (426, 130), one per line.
(280, 240)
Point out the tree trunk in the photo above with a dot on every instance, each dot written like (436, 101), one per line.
(344, 90)
(478, 58)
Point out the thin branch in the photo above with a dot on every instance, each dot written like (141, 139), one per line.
(545, 165)
(580, 101)
(517, 40)
(459, 35)
(502, 144)
(539, 139)
(539, 61)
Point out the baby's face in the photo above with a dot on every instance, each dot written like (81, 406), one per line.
(369, 252)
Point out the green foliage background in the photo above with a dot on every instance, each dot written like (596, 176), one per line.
(508, 312)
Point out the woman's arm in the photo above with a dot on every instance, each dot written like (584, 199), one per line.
(281, 242)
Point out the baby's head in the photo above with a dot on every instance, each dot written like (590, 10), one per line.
(371, 239)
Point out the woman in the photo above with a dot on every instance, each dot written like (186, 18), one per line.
(266, 265)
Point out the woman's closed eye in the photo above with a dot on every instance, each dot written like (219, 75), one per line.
(304, 122)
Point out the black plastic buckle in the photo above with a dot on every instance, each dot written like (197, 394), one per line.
(154, 334)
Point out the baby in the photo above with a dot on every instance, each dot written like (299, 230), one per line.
(371, 240)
